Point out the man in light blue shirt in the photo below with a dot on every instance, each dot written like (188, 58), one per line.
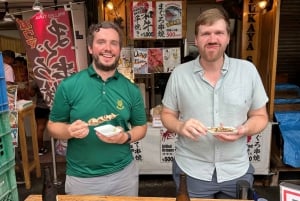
(214, 91)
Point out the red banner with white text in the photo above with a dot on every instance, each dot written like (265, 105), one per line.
(49, 44)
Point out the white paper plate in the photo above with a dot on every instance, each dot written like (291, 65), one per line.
(229, 130)
(108, 130)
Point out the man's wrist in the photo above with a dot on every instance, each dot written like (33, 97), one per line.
(128, 138)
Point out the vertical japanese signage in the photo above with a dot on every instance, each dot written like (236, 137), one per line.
(167, 145)
(48, 40)
(171, 58)
(140, 60)
(255, 148)
(155, 60)
(136, 149)
(125, 63)
(156, 19)
(259, 147)
(169, 19)
(143, 19)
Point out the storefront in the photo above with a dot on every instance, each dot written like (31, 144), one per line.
(255, 38)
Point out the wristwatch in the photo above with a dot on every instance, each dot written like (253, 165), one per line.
(128, 139)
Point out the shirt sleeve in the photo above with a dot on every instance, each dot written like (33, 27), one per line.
(60, 111)
(170, 98)
(9, 74)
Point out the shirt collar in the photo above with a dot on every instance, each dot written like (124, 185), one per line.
(93, 73)
(197, 68)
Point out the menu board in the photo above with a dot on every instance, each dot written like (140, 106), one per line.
(156, 19)
(168, 19)
(155, 60)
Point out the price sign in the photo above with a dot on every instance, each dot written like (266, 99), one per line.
(167, 145)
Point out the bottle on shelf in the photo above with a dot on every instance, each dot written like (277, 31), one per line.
(242, 189)
(49, 192)
(182, 194)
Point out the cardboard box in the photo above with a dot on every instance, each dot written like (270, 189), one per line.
(155, 113)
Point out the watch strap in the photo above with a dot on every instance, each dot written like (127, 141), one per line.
(128, 138)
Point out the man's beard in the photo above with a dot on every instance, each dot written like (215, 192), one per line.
(103, 67)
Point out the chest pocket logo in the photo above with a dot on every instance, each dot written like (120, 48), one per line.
(120, 105)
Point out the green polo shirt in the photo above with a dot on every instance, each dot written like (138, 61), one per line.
(85, 95)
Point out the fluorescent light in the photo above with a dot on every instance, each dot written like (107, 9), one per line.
(262, 4)
(8, 17)
(37, 6)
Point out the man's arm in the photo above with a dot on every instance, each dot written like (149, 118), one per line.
(80, 129)
(62, 130)
(138, 132)
(170, 120)
(257, 121)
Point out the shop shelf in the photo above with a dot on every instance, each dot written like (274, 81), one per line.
(4, 123)
(6, 150)
(8, 184)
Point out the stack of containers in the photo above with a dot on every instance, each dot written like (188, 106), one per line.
(8, 184)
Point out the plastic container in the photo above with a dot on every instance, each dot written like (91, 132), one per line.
(4, 123)
(8, 184)
(6, 150)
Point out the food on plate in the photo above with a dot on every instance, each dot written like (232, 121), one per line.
(108, 130)
(222, 129)
(101, 119)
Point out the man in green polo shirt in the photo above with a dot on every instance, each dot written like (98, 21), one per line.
(97, 164)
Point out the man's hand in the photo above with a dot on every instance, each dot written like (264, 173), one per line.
(78, 129)
(119, 138)
(225, 137)
(192, 129)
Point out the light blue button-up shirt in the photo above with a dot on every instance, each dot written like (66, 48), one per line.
(238, 91)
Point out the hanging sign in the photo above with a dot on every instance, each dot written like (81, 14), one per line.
(48, 40)
(169, 19)
(143, 19)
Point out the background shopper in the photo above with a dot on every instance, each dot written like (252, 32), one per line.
(8, 60)
(42, 112)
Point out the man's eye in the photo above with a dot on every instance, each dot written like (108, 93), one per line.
(205, 34)
(115, 43)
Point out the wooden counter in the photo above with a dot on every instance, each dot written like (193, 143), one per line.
(112, 198)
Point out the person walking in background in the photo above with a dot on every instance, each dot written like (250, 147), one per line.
(21, 77)
(97, 164)
(214, 90)
(41, 112)
(8, 60)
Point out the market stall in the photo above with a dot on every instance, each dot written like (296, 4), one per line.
(155, 152)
